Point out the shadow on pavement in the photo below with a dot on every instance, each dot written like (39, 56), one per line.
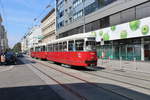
(44, 92)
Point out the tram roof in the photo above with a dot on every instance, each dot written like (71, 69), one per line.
(73, 37)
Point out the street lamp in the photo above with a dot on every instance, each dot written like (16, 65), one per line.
(83, 16)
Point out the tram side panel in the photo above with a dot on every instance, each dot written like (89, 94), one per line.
(73, 58)
(42, 55)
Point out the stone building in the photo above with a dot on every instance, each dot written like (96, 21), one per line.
(48, 27)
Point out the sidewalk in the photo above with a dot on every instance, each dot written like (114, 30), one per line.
(5, 68)
(125, 65)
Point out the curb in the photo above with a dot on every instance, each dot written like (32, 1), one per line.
(7, 69)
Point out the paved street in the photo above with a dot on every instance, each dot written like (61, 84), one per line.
(34, 79)
(20, 83)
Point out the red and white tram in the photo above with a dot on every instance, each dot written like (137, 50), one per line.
(76, 50)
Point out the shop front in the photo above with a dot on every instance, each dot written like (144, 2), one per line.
(128, 49)
(129, 41)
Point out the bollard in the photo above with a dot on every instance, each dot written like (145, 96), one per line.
(121, 64)
(109, 59)
(135, 64)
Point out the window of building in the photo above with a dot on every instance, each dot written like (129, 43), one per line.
(91, 8)
(66, 22)
(66, 10)
(61, 24)
(104, 22)
(61, 14)
(128, 15)
(143, 10)
(70, 19)
(77, 2)
(115, 19)
(78, 14)
(92, 26)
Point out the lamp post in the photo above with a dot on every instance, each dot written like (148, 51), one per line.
(83, 16)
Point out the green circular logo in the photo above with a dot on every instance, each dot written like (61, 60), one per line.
(145, 29)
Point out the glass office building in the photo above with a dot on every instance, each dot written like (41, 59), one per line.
(103, 14)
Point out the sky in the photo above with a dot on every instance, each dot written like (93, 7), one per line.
(19, 16)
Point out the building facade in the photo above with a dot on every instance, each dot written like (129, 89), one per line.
(48, 27)
(96, 16)
(32, 38)
(3, 37)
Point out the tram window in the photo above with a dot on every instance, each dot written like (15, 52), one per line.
(57, 47)
(37, 49)
(54, 47)
(64, 46)
(79, 44)
(71, 46)
(40, 49)
(51, 48)
(48, 47)
(90, 46)
(31, 50)
(43, 48)
(60, 46)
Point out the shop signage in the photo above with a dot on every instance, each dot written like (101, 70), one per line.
(136, 28)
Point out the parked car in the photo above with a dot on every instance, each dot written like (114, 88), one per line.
(10, 58)
(19, 55)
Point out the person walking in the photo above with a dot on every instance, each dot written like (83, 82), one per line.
(2, 59)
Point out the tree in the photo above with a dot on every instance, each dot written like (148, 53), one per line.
(17, 47)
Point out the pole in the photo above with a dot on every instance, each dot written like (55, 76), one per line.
(83, 16)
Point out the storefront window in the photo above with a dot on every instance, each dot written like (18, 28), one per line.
(126, 50)
(147, 52)
(137, 52)
(122, 52)
(115, 52)
(130, 52)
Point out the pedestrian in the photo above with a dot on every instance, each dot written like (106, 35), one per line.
(3, 59)
(0, 58)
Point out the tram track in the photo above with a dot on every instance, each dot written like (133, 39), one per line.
(88, 82)
(61, 84)
(100, 76)
(126, 76)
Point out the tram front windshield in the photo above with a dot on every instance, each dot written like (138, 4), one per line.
(90, 46)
